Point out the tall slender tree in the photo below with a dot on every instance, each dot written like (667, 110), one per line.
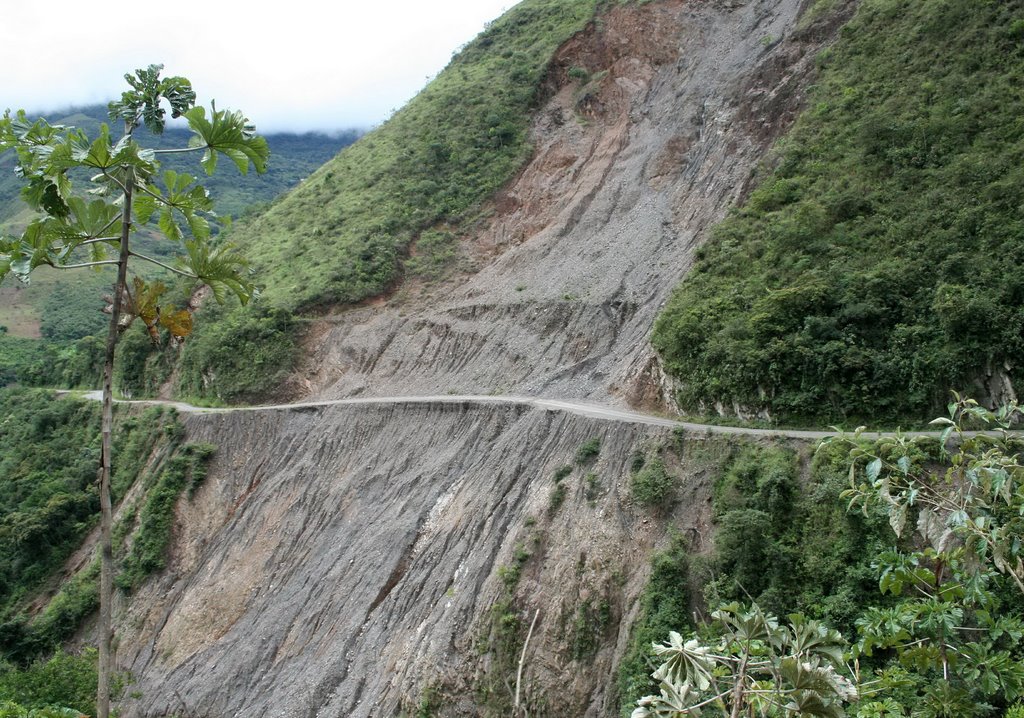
(90, 196)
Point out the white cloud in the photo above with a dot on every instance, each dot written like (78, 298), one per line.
(305, 65)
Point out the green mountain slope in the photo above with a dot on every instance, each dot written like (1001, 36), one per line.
(878, 265)
(341, 236)
(62, 307)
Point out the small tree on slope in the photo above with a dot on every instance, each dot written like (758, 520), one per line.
(71, 231)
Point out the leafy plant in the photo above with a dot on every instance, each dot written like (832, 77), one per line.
(64, 679)
(755, 666)
(953, 628)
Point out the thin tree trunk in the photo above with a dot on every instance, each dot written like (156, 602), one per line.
(105, 629)
(738, 686)
(522, 660)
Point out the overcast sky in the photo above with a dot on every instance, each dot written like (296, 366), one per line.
(305, 65)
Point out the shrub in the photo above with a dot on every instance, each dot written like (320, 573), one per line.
(240, 355)
(588, 450)
(652, 485)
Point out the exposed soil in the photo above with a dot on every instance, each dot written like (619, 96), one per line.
(634, 161)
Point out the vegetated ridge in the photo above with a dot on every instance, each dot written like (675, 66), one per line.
(51, 331)
(876, 266)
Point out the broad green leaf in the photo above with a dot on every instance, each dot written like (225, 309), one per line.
(231, 134)
(145, 204)
(168, 226)
(222, 268)
(874, 468)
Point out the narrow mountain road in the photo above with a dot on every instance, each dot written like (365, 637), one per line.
(596, 411)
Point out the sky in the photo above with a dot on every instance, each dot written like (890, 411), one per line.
(305, 65)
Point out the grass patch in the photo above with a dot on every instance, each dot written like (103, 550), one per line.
(588, 451)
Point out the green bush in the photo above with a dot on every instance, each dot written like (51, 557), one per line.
(652, 486)
(64, 680)
(664, 607)
(238, 355)
(49, 452)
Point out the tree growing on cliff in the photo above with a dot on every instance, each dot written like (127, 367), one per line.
(125, 190)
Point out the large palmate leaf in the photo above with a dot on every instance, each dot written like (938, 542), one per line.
(231, 134)
(808, 639)
(180, 196)
(222, 268)
(143, 301)
(36, 246)
(674, 700)
(684, 662)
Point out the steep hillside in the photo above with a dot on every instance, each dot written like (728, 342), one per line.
(342, 235)
(343, 561)
(657, 115)
(356, 561)
(410, 556)
(877, 265)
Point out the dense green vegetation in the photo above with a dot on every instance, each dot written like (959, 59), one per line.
(48, 457)
(239, 355)
(916, 563)
(49, 452)
(786, 545)
(341, 236)
(877, 265)
(61, 681)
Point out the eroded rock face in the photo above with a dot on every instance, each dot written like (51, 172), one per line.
(634, 161)
(340, 560)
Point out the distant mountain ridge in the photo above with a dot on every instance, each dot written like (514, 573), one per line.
(293, 157)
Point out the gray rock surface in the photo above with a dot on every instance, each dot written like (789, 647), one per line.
(340, 558)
